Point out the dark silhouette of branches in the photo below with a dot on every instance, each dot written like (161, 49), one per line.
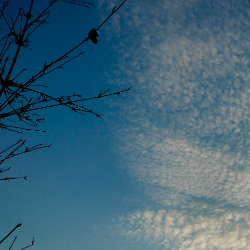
(21, 100)
(32, 244)
(16, 150)
(18, 225)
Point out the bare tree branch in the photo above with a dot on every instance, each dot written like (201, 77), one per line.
(21, 98)
(21, 101)
(32, 244)
(18, 225)
(14, 150)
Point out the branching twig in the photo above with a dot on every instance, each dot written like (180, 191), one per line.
(24, 87)
(32, 244)
(13, 178)
(21, 99)
(15, 150)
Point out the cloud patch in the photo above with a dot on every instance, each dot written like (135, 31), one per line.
(184, 231)
(186, 129)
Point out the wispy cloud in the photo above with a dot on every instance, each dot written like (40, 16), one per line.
(186, 133)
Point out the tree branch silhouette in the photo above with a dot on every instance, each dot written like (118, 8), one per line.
(15, 150)
(21, 101)
(18, 225)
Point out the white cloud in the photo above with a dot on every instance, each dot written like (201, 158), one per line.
(189, 119)
(186, 133)
(185, 231)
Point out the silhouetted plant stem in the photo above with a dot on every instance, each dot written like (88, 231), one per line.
(20, 44)
(18, 225)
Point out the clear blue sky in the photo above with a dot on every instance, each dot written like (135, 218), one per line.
(167, 166)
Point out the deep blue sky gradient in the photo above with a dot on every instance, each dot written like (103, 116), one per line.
(167, 165)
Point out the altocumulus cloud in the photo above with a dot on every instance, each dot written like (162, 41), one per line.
(186, 136)
(181, 230)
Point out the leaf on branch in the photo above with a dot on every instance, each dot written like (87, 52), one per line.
(28, 16)
(93, 35)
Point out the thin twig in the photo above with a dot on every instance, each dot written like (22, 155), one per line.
(32, 244)
(13, 178)
(12, 243)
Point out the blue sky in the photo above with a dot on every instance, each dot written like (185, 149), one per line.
(167, 166)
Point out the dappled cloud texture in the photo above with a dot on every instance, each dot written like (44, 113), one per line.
(186, 132)
(180, 230)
